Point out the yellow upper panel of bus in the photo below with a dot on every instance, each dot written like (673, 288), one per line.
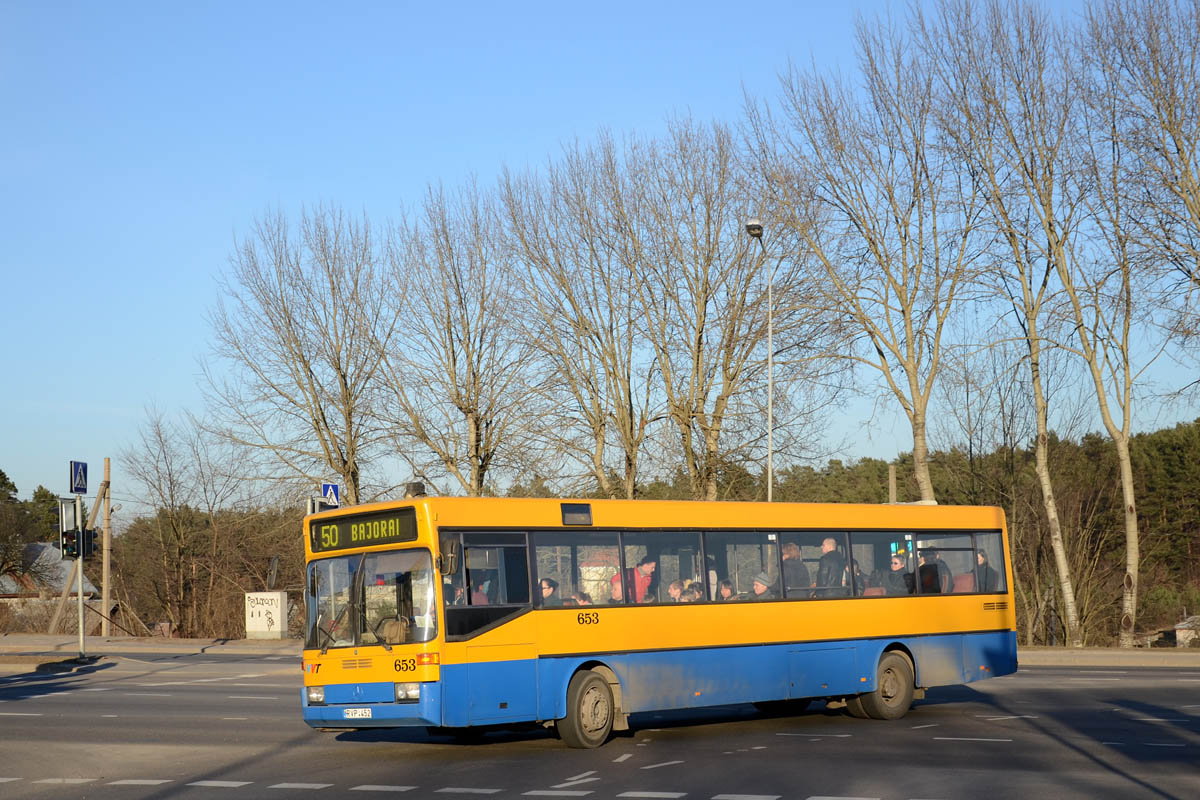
(529, 513)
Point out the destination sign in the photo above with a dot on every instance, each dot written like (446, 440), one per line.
(378, 527)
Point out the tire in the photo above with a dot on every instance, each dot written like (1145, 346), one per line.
(590, 711)
(854, 707)
(893, 693)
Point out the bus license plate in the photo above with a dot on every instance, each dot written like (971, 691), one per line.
(356, 713)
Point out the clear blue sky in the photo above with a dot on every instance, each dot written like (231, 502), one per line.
(139, 139)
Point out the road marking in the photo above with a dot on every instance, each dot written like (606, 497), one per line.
(8, 780)
(103, 689)
(1157, 719)
(235, 719)
(109, 716)
(1117, 744)
(815, 735)
(663, 764)
(1014, 716)
(140, 782)
(664, 795)
(839, 797)
(72, 781)
(1106, 672)
(582, 775)
(221, 784)
(966, 739)
(376, 787)
(552, 793)
(249, 697)
(300, 786)
(17, 714)
(1093, 679)
(919, 727)
(759, 747)
(746, 796)
(1156, 744)
(625, 757)
(146, 694)
(467, 790)
(1194, 705)
(569, 784)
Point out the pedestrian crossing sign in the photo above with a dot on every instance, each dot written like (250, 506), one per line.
(78, 477)
(331, 494)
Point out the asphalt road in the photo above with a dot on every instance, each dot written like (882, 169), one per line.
(227, 726)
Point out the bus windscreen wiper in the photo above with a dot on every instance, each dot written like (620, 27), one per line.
(355, 584)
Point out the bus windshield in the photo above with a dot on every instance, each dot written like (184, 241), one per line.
(371, 599)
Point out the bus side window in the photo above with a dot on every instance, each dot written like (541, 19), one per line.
(989, 563)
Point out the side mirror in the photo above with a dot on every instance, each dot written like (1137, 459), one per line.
(450, 556)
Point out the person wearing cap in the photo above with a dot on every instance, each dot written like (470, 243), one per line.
(762, 587)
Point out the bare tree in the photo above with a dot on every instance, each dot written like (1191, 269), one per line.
(1011, 109)
(701, 293)
(460, 402)
(888, 214)
(585, 320)
(301, 327)
(1106, 282)
(1147, 53)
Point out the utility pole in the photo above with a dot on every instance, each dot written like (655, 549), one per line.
(106, 557)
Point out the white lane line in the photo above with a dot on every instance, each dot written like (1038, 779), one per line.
(919, 727)
(378, 787)
(234, 719)
(8, 780)
(552, 793)
(663, 795)
(72, 781)
(1014, 716)
(1093, 679)
(17, 714)
(1193, 705)
(1157, 719)
(1117, 744)
(249, 697)
(1156, 744)
(966, 739)
(759, 747)
(746, 796)
(260, 686)
(146, 694)
(466, 790)
(250, 675)
(663, 764)
(838, 797)
(140, 782)
(103, 689)
(582, 775)
(625, 757)
(108, 716)
(1106, 672)
(221, 784)
(819, 735)
(300, 786)
(569, 784)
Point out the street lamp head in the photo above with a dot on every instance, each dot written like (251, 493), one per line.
(754, 227)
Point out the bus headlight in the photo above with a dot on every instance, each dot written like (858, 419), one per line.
(408, 692)
(316, 695)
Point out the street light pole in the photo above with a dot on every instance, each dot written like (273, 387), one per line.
(755, 230)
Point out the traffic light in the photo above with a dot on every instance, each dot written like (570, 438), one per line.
(68, 543)
(88, 548)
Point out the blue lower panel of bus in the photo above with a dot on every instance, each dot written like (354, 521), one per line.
(372, 705)
(535, 689)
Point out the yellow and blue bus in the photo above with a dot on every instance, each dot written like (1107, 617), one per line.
(454, 613)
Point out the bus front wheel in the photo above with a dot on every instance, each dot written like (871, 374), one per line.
(589, 718)
(893, 694)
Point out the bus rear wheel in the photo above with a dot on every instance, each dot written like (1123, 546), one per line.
(893, 693)
(590, 712)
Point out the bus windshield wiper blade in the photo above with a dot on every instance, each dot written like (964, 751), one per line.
(355, 583)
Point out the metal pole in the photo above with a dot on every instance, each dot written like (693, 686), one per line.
(770, 376)
(106, 545)
(79, 571)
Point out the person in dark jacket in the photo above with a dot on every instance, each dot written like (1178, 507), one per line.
(897, 580)
(830, 569)
(796, 581)
(986, 577)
